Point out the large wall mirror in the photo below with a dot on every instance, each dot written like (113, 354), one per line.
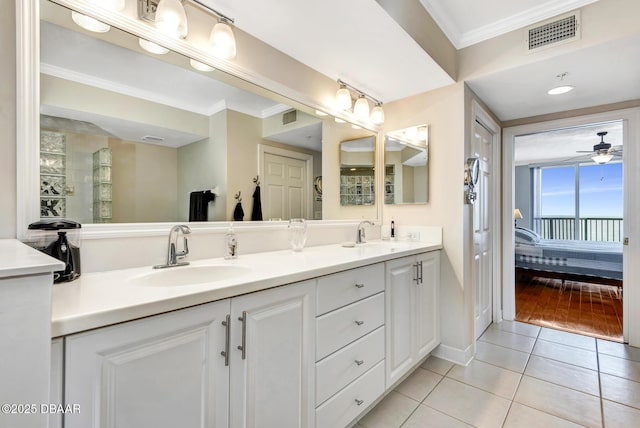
(406, 159)
(130, 136)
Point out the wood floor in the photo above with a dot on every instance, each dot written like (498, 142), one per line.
(593, 310)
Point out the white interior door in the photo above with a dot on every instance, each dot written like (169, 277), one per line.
(482, 147)
(285, 183)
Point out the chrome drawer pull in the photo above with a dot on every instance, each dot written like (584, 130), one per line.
(359, 402)
(359, 285)
(227, 336)
(359, 322)
(243, 347)
(359, 362)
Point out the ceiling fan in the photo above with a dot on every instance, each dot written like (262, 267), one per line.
(603, 152)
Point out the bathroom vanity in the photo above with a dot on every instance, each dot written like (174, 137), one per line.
(309, 339)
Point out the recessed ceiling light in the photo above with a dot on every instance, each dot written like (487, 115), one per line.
(200, 66)
(560, 90)
(321, 113)
(338, 120)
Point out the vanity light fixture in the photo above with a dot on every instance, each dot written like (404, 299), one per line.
(361, 106)
(169, 17)
(154, 48)
(561, 88)
(343, 97)
(92, 24)
(200, 66)
(377, 114)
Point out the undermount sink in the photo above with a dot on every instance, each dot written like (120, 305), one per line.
(189, 275)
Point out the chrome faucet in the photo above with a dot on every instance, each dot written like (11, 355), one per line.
(175, 257)
(360, 235)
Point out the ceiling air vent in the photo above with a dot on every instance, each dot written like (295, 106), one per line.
(558, 30)
(289, 117)
(152, 139)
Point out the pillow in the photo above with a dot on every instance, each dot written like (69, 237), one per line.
(526, 236)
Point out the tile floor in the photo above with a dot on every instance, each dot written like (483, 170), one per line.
(522, 376)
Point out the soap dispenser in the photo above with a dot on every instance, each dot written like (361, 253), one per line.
(231, 244)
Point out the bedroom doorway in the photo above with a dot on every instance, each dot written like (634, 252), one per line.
(568, 228)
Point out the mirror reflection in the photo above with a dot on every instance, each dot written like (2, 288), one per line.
(357, 172)
(129, 136)
(406, 155)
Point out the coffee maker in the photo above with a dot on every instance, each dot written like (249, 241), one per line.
(61, 248)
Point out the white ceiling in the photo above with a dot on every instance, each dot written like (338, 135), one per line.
(354, 40)
(601, 74)
(469, 22)
(562, 145)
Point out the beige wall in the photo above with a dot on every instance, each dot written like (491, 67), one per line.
(443, 110)
(508, 50)
(144, 178)
(203, 165)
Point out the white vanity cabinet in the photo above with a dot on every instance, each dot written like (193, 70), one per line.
(272, 375)
(162, 371)
(411, 312)
(350, 344)
(240, 362)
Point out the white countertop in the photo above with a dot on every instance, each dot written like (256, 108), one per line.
(18, 259)
(103, 298)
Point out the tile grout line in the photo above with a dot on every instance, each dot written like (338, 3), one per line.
(425, 397)
(521, 377)
(600, 386)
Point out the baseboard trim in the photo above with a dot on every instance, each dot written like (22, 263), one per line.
(455, 355)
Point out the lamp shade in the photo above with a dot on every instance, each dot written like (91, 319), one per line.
(377, 114)
(517, 213)
(223, 42)
(602, 158)
(361, 108)
(171, 18)
(343, 98)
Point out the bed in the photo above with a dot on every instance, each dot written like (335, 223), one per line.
(585, 261)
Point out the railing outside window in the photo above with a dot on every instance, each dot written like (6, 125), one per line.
(591, 228)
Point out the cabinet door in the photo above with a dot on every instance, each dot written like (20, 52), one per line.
(272, 374)
(427, 296)
(55, 388)
(162, 371)
(400, 294)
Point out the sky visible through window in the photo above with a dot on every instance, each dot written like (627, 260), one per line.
(600, 191)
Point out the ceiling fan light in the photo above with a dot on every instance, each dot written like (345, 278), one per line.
(602, 158)
(377, 114)
(89, 23)
(343, 98)
(171, 18)
(152, 47)
(558, 90)
(223, 42)
(361, 108)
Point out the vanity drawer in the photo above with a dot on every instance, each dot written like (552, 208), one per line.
(342, 288)
(339, 369)
(341, 327)
(343, 407)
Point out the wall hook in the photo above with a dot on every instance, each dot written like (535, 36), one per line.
(237, 197)
(256, 180)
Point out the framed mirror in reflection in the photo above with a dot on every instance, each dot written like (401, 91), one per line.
(406, 156)
(129, 136)
(357, 171)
